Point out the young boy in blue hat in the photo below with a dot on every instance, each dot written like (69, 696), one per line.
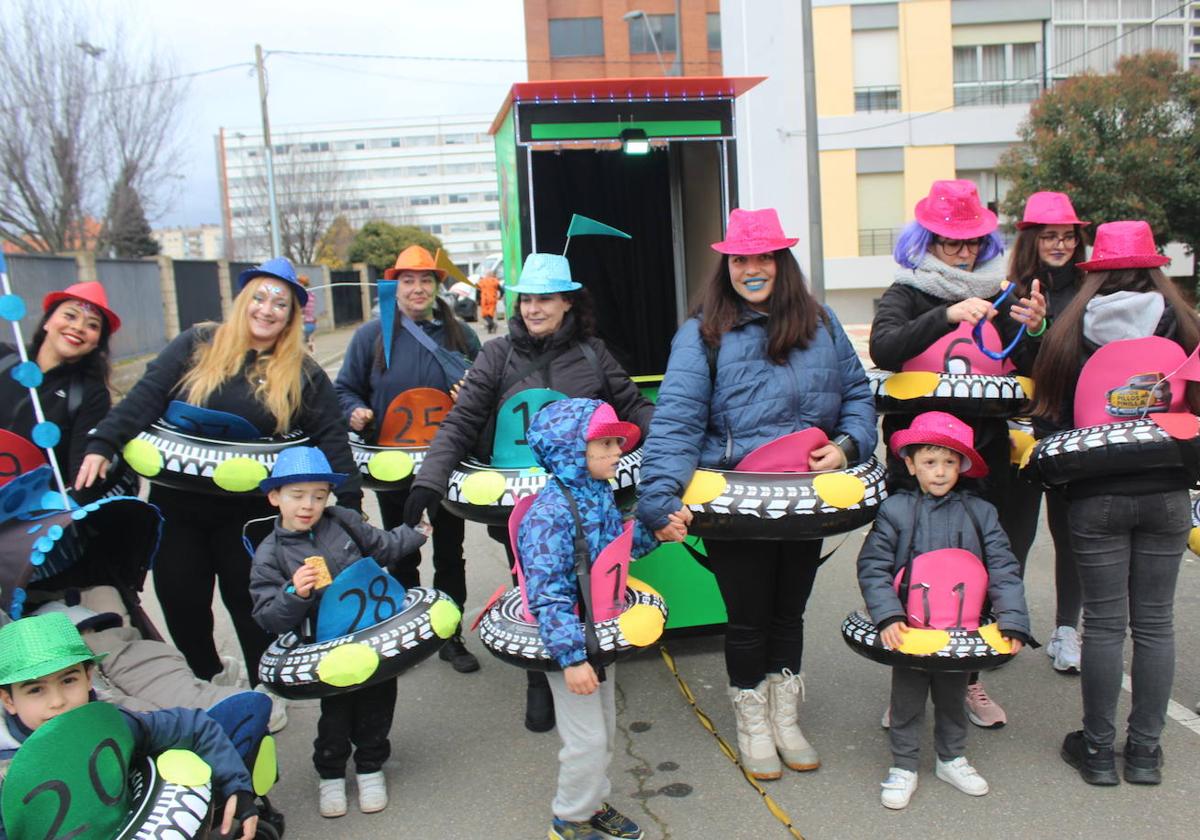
(46, 671)
(286, 590)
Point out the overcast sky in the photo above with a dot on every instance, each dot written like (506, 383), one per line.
(311, 89)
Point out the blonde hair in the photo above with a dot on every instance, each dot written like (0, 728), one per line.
(277, 376)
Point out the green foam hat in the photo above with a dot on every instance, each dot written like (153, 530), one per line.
(40, 645)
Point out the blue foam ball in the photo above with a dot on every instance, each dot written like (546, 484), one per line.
(44, 544)
(46, 434)
(37, 558)
(54, 532)
(12, 308)
(79, 514)
(28, 374)
(93, 507)
(33, 529)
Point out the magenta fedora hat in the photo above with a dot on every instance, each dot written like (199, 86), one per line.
(1124, 245)
(754, 232)
(937, 428)
(1049, 208)
(953, 210)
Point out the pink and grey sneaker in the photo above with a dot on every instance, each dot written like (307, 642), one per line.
(981, 711)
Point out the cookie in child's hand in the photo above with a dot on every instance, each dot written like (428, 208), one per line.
(323, 577)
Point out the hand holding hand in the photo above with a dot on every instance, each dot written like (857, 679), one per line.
(581, 678)
(893, 635)
(1031, 311)
(424, 527)
(970, 311)
(93, 467)
(684, 514)
(827, 457)
(1017, 644)
(420, 500)
(456, 387)
(673, 531)
(360, 418)
(304, 580)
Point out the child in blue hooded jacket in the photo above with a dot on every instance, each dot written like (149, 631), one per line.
(579, 442)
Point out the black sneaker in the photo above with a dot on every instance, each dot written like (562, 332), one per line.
(456, 653)
(612, 823)
(1143, 765)
(1096, 765)
(539, 703)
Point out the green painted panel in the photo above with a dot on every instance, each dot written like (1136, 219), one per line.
(601, 130)
(510, 204)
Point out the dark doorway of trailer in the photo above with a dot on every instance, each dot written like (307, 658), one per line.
(641, 288)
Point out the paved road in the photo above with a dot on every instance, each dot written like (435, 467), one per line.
(463, 765)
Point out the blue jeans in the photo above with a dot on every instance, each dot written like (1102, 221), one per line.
(1128, 549)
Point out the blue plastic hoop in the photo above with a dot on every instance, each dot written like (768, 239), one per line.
(977, 332)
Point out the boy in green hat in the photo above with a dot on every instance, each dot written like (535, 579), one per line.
(46, 670)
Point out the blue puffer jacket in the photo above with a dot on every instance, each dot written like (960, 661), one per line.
(546, 538)
(754, 401)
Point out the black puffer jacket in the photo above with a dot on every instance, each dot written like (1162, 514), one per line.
(470, 426)
(319, 414)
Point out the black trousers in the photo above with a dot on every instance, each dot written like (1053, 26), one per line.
(362, 718)
(201, 546)
(449, 567)
(766, 585)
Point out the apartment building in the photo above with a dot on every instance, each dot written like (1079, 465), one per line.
(202, 242)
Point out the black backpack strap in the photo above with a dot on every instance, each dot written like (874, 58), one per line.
(74, 395)
(909, 554)
(978, 532)
(583, 575)
(538, 363)
(589, 353)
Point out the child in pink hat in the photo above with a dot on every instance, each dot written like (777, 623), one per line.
(937, 449)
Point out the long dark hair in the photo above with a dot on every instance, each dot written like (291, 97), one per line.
(1057, 365)
(791, 316)
(1025, 263)
(95, 365)
(582, 312)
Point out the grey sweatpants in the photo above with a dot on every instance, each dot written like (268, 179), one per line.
(910, 688)
(587, 724)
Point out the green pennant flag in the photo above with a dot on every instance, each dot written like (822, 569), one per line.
(583, 226)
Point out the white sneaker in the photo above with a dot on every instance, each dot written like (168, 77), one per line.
(962, 775)
(898, 788)
(372, 792)
(332, 794)
(279, 718)
(231, 673)
(1063, 649)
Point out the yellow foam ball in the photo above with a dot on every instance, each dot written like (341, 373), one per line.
(922, 642)
(991, 635)
(1020, 444)
(911, 384)
(144, 457)
(839, 489)
(705, 486)
(1026, 455)
(641, 586)
(349, 664)
(183, 767)
(444, 618)
(483, 488)
(266, 767)
(1026, 386)
(641, 624)
(393, 465)
(239, 475)
(1194, 540)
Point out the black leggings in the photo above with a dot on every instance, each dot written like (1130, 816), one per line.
(449, 567)
(202, 546)
(766, 585)
(363, 718)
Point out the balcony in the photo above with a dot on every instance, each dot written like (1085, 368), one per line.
(878, 98)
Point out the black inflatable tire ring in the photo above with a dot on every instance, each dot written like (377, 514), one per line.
(363, 452)
(189, 460)
(1130, 446)
(508, 637)
(164, 809)
(289, 667)
(966, 651)
(519, 483)
(794, 510)
(961, 394)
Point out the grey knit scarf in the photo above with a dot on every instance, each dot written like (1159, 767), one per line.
(946, 282)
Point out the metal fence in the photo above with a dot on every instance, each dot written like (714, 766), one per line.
(197, 292)
(134, 290)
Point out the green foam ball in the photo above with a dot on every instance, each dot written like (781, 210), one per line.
(183, 767)
(390, 466)
(239, 475)
(444, 618)
(483, 488)
(266, 767)
(349, 664)
(144, 457)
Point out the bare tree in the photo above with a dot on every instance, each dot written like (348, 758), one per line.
(76, 119)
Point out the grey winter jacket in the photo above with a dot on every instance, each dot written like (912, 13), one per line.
(341, 537)
(941, 522)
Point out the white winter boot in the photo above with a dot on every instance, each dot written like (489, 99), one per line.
(783, 693)
(756, 745)
(372, 792)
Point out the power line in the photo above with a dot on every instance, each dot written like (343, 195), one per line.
(478, 60)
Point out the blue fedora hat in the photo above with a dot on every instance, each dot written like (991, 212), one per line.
(545, 274)
(301, 463)
(281, 269)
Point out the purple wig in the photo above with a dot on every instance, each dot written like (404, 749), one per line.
(914, 242)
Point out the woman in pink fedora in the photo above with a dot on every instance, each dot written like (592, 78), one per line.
(1128, 530)
(758, 359)
(1049, 244)
(70, 349)
(951, 265)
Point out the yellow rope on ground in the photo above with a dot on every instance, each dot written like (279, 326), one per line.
(729, 751)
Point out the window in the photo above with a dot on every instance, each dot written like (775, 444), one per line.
(714, 30)
(492, 196)
(493, 226)
(876, 70)
(570, 37)
(452, 139)
(316, 147)
(360, 146)
(424, 200)
(647, 30)
(997, 74)
(459, 198)
(459, 168)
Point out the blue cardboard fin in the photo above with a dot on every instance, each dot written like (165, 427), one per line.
(362, 595)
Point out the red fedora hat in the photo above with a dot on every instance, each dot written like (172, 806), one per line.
(1049, 208)
(1124, 245)
(953, 210)
(754, 232)
(89, 292)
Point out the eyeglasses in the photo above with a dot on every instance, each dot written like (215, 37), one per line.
(956, 246)
(1068, 239)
